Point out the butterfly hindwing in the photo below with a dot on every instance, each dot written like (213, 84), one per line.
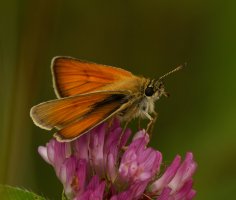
(102, 112)
(75, 115)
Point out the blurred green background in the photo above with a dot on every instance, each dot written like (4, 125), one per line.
(146, 37)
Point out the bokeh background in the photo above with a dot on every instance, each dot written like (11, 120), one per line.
(146, 37)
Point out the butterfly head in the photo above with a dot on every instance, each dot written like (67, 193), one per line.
(155, 89)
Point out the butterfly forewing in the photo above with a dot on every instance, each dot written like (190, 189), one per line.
(73, 76)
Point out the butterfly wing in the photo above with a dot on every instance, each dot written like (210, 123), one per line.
(73, 116)
(72, 76)
(85, 124)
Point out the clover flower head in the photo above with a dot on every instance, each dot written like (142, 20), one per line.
(101, 165)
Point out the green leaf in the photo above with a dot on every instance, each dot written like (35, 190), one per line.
(14, 193)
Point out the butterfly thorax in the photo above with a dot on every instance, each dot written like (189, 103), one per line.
(143, 96)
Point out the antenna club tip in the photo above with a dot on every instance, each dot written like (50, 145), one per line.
(181, 66)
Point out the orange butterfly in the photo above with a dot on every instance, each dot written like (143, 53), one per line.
(89, 94)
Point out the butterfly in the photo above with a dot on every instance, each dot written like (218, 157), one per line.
(89, 94)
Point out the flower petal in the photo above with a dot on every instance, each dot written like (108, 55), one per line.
(160, 183)
(43, 153)
(96, 144)
(184, 173)
(80, 147)
(165, 194)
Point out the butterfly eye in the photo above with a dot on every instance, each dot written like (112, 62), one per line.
(149, 91)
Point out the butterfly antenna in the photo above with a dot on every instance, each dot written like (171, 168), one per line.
(172, 71)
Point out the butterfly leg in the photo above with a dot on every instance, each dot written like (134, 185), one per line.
(154, 120)
(151, 123)
(123, 131)
(110, 122)
(146, 196)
